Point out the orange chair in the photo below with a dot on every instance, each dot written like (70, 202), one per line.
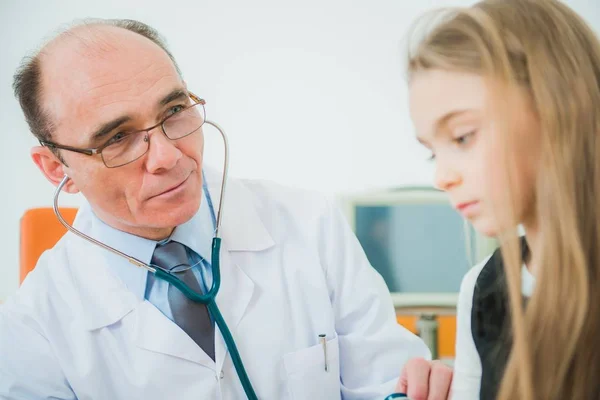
(446, 331)
(40, 230)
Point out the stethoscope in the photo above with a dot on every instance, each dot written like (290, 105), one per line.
(397, 396)
(210, 296)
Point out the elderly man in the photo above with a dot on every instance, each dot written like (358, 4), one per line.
(310, 317)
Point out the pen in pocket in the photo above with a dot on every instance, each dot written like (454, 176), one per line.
(323, 340)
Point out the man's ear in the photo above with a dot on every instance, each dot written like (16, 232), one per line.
(52, 168)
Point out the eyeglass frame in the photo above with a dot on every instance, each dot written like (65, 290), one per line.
(98, 150)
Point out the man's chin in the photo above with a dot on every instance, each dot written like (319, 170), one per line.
(172, 216)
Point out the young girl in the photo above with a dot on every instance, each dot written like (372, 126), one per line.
(506, 95)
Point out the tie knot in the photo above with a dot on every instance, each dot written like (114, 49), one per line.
(171, 256)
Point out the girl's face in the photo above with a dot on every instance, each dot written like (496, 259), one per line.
(485, 156)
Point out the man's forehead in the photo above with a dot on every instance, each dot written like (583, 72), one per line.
(99, 66)
(90, 41)
(88, 48)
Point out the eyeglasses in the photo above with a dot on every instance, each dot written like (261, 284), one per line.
(126, 147)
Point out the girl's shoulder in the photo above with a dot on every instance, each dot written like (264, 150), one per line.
(469, 281)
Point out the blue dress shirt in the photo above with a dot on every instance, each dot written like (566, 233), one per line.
(196, 234)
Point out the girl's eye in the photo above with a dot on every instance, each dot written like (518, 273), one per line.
(464, 139)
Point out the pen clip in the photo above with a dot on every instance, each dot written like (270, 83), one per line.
(323, 340)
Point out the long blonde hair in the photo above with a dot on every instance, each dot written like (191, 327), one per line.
(546, 48)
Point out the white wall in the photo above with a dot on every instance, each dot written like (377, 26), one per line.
(311, 92)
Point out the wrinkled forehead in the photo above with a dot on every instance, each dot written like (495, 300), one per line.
(102, 72)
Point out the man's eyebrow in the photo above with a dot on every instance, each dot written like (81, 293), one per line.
(177, 94)
(108, 127)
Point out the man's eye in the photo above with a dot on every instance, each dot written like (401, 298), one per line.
(175, 109)
(117, 138)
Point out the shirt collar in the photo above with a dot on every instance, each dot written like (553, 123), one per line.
(196, 234)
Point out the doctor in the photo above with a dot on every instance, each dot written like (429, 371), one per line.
(87, 324)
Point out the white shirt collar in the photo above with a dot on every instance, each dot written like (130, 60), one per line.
(527, 281)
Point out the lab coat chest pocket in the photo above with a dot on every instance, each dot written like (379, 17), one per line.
(306, 374)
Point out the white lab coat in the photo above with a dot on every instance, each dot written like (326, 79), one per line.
(291, 270)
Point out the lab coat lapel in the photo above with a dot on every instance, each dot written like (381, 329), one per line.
(233, 299)
(157, 333)
(242, 231)
(106, 300)
(242, 228)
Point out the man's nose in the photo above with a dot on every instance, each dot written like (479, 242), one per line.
(163, 153)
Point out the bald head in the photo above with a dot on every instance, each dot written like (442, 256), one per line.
(90, 40)
(97, 66)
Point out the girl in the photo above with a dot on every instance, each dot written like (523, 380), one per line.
(506, 95)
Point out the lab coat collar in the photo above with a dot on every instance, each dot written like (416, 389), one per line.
(105, 299)
(134, 279)
(241, 229)
(195, 234)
